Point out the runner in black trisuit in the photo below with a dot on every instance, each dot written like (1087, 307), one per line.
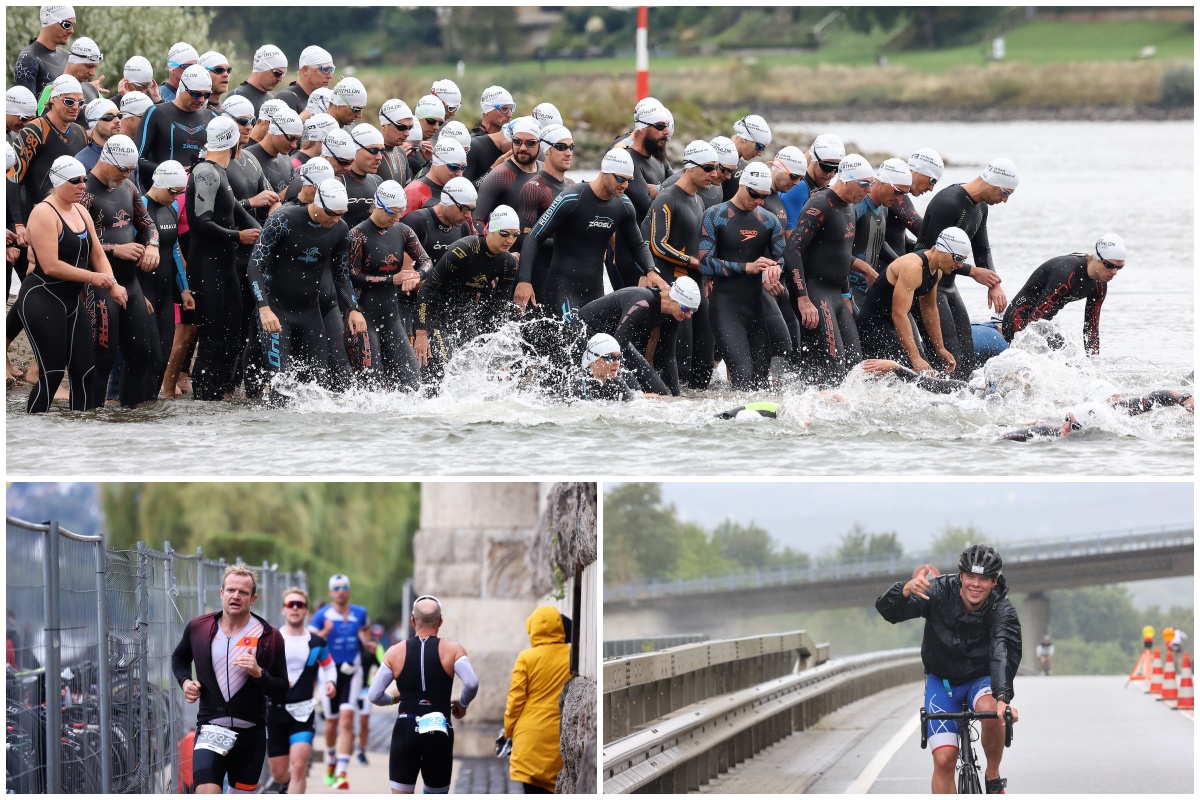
(741, 247)
(788, 168)
(378, 247)
(297, 244)
(884, 323)
(1063, 279)
(176, 130)
(965, 206)
(819, 254)
(587, 214)
(42, 141)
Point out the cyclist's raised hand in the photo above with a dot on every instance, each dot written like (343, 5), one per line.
(918, 586)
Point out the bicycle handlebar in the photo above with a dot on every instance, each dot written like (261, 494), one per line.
(967, 716)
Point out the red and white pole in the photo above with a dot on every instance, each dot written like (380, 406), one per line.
(643, 56)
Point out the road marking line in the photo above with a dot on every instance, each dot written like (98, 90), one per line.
(862, 784)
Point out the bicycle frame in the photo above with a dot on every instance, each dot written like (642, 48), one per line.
(968, 762)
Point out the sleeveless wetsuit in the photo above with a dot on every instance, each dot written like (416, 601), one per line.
(876, 327)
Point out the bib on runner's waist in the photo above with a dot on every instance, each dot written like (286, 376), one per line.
(216, 738)
(433, 722)
(301, 711)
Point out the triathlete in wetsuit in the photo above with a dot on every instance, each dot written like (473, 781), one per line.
(169, 280)
(751, 135)
(539, 192)
(503, 184)
(820, 252)
(45, 139)
(130, 241)
(437, 228)
(647, 148)
(893, 182)
(1063, 279)
(175, 131)
(377, 249)
(42, 60)
(298, 242)
(740, 241)
(965, 206)
(468, 292)
(587, 215)
(395, 121)
(1088, 414)
(824, 155)
(217, 225)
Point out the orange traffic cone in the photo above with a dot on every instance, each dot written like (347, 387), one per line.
(1170, 690)
(1156, 674)
(1187, 701)
(1141, 670)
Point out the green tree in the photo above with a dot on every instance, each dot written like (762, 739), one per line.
(699, 555)
(956, 538)
(859, 543)
(641, 536)
(747, 546)
(122, 32)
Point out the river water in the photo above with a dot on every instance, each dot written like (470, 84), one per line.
(1078, 180)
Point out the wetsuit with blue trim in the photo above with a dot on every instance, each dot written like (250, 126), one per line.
(285, 274)
(820, 252)
(120, 217)
(170, 133)
(308, 660)
(576, 274)
(870, 235)
(1051, 286)
(164, 285)
(634, 317)
(730, 239)
(953, 207)
(376, 257)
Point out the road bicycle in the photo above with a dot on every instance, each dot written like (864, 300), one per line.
(968, 764)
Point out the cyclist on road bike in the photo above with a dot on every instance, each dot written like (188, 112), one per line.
(1045, 654)
(240, 662)
(971, 650)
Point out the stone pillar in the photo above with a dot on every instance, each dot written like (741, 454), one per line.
(1035, 622)
(475, 551)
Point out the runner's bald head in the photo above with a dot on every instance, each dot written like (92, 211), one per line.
(427, 611)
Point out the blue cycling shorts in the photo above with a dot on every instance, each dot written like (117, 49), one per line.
(944, 732)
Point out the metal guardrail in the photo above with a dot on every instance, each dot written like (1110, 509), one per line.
(617, 648)
(681, 753)
(1014, 553)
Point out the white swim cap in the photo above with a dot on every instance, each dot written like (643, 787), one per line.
(52, 15)
(64, 169)
(213, 59)
(697, 153)
(10, 156)
(286, 122)
(1110, 247)
(366, 135)
(828, 147)
(651, 114)
(222, 134)
(430, 106)
(753, 128)
(495, 96)
(349, 92)
(1002, 173)
(318, 126)
(120, 151)
(686, 292)
(136, 103)
(84, 51)
(790, 160)
(727, 154)
(331, 196)
(65, 84)
(96, 109)
(458, 132)
(337, 143)
(599, 346)
(854, 168)
(526, 125)
(955, 242)
(1101, 391)
(1086, 415)
(458, 191)
(546, 115)
(448, 92)
(181, 53)
(895, 172)
(269, 57)
(757, 176)
(318, 101)
(390, 198)
(393, 111)
(339, 580)
(927, 162)
(195, 79)
(236, 105)
(504, 218)
(138, 70)
(448, 151)
(313, 56)
(315, 171)
(20, 102)
(617, 162)
(170, 175)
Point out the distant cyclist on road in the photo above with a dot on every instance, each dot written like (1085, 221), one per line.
(971, 650)
(240, 663)
(1045, 654)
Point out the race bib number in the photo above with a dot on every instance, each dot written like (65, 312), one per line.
(217, 738)
(434, 722)
(301, 711)
(349, 668)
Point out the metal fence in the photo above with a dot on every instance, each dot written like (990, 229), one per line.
(117, 715)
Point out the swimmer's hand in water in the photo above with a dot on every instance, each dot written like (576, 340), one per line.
(879, 366)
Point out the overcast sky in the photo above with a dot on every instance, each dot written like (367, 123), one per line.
(812, 516)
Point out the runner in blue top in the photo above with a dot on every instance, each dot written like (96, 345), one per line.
(343, 626)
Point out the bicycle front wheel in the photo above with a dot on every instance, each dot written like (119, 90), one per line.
(968, 780)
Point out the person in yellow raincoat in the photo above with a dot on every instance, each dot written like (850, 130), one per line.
(531, 716)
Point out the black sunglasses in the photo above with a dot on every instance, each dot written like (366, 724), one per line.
(1108, 264)
(333, 214)
(705, 167)
(372, 150)
(67, 24)
(828, 166)
(199, 95)
(509, 234)
(755, 195)
(795, 178)
(77, 181)
(562, 147)
(437, 123)
(727, 170)
(107, 118)
(291, 138)
(611, 358)
(175, 192)
(279, 73)
(123, 170)
(244, 120)
(658, 126)
(345, 162)
(464, 209)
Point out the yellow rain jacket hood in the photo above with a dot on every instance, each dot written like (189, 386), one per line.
(531, 718)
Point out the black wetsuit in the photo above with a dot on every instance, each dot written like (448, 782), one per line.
(953, 207)
(902, 219)
(480, 157)
(634, 317)
(1051, 286)
(376, 257)
(56, 322)
(647, 171)
(295, 97)
(37, 66)
(468, 293)
(255, 95)
(437, 240)
(499, 188)
(709, 196)
(163, 285)
(672, 229)
(577, 272)
(820, 252)
(870, 234)
(120, 217)
(13, 216)
(780, 311)
(394, 166)
(733, 182)
(168, 132)
(277, 168)
(214, 221)
(247, 179)
(285, 274)
(729, 240)
(38, 144)
(532, 201)
(360, 190)
(876, 327)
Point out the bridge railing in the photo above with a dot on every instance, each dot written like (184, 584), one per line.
(681, 753)
(617, 648)
(641, 688)
(91, 631)
(1013, 552)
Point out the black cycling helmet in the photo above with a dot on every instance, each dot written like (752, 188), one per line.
(981, 559)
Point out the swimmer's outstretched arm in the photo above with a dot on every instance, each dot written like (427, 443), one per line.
(1043, 430)
(881, 366)
(1163, 397)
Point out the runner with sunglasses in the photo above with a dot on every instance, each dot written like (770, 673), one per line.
(467, 293)
(902, 217)
(751, 136)
(503, 184)
(176, 130)
(817, 263)
(316, 70)
(824, 155)
(20, 108)
(587, 215)
(892, 184)
(396, 121)
(965, 206)
(181, 56)
(449, 160)
(266, 72)
(884, 319)
(741, 247)
(166, 285)
(1063, 280)
(43, 59)
(291, 724)
(82, 60)
(727, 160)
(130, 241)
(539, 192)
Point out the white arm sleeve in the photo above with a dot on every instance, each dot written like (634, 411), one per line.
(462, 668)
(378, 693)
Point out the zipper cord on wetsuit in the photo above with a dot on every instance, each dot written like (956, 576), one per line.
(423, 663)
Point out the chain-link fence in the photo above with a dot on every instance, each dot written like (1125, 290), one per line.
(117, 716)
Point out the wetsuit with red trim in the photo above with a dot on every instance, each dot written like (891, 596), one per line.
(1051, 286)
(532, 201)
(500, 188)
